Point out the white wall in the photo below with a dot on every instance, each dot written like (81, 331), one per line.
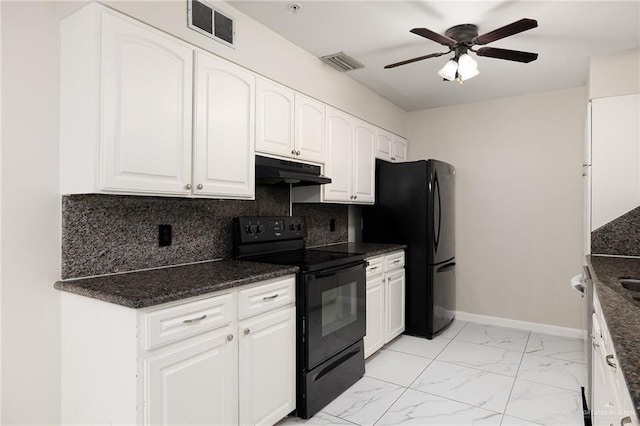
(518, 201)
(267, 53)
(615, 74)
(30, 214)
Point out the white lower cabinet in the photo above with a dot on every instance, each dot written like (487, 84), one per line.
(385, 300)
(221, 359)
(610, 403)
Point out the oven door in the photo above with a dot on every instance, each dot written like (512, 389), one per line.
(335, 311)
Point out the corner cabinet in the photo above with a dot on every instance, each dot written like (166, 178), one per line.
(127, 92)
(226, 358)
(385, 301)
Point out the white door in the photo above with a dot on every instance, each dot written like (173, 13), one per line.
(399, 153)
(363, 163)
(338, 164)
(146, 110)
(384, 143)
(194, 383)
(309, 129)
(267, 367)
(274, 119)
(374, 339)
(224, 156)
(394, 298)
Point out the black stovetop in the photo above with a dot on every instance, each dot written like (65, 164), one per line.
(311, 260)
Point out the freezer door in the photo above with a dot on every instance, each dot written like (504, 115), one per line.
(444, 295)
(441, 211)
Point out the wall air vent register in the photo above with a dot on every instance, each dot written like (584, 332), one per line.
(211, 22)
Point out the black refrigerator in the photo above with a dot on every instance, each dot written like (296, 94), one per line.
(415, 205)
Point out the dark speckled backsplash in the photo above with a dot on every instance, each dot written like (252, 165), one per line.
(621, 236)
(103, 234)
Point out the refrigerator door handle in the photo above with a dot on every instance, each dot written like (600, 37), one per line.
(436, 233)
(447, 267)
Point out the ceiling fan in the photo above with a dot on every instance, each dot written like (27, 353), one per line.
(462, 38)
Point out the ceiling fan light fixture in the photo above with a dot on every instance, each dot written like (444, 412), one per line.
(466, 75)
(448, 72)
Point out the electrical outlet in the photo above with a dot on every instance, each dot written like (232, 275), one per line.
(332, 225)
(164, 235)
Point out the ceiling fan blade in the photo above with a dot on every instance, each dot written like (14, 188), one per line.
(420, 58)
(506, 31)
(509, 55)
(438, 38)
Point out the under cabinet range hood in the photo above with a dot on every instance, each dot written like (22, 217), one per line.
(274, 171)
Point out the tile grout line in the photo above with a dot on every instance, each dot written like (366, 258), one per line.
(516, 377)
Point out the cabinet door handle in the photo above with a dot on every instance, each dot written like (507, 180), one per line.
(625, 421)
(270, 297)
(355, 197)
(247, 331)
(373, 268)
(189, 321)
(230, 337)
(608, 358)
(297, 152)
(396, 261)
(188, 186)
(200, 186)
(293, 151)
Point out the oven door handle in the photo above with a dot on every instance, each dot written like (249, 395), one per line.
(332, 271)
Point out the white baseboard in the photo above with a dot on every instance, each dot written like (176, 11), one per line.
(523, 325)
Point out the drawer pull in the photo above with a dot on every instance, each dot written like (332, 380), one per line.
(373, 268)
(247, 331)
(396, 261)
(270, 297)
(189, 321)
(230, 337)
(625, 421)
(608, 358)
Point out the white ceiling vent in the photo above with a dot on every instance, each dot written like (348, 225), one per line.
(207, 20)
(342, 62)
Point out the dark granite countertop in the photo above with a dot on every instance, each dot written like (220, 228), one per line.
(152, 287)
(369, 249)
(622, 315)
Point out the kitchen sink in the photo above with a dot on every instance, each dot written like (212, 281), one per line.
(632, 285)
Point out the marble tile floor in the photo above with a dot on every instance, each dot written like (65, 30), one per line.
(470, 374)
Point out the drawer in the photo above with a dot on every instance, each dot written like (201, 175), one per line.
(265, 297)
(394, 261)
(376, 265)
(178, 322)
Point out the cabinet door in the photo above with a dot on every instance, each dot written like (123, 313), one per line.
(374, 339)
(146, 110)
(363, 163)
(384, 143)
(267, 367)
(399, 152)
(274, 119)
(194, 383)
(223, 158)
(394, 300)
(338, 164)
(309, 129)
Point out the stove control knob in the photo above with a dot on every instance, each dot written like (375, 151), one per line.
(260, 228)
(247, 229)
(253, 229)
(292, 227)
(299, 227)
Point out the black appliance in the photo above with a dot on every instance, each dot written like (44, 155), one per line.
(330, 305)
(415, 206)
(275, 171)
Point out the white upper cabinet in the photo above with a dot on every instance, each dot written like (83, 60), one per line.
(339, 156)
(399, 151)
(390, 147)
(146, 109)
(274, 118)
(223, 160)
(363, 164)
(309, 129)
(127, 96)
(288, 124)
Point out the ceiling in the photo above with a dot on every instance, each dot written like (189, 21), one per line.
(376, 33)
